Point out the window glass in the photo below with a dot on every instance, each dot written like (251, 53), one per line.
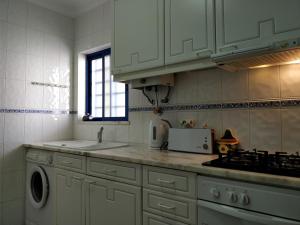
(106, 99)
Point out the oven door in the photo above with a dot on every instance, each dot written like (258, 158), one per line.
(210, 213)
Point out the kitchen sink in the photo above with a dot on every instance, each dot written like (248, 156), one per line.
(85, 145)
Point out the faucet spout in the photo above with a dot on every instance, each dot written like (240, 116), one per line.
(100, 134)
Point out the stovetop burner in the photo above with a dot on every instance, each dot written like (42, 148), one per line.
(279, 163)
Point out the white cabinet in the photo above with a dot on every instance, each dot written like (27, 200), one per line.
(112, 203)
(245, 25)
(189, 30)
(138, 35)
(70, 194)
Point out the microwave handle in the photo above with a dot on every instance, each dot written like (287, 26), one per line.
(246, 215)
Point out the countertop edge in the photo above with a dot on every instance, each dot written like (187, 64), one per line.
(237, 175)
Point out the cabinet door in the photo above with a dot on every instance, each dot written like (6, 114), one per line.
(190, 30)
(70, 205)
(246, 25)
(112, 203)
(138, 35)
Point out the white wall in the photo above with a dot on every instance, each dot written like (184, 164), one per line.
(35, 45)
(265, 128)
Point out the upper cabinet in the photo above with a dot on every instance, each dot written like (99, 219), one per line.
(189, 30)
(138, 35)
(247, 25)
(155, 37)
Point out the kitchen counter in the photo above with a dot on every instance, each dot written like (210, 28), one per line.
(177, 160)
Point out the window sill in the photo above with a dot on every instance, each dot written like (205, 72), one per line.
(104, 122)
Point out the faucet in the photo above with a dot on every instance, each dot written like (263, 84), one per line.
(100, 134)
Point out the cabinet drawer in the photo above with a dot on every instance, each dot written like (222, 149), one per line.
(170, 181)
(75, 163)
(120, 171)
(151, 219)
(170, 206)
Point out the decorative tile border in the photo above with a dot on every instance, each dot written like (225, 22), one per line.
(192, 107)
(239, 105)
(38, 111)
(49, 84)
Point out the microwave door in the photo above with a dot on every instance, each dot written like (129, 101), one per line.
(216, 214)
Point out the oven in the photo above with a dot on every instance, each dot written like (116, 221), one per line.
(225, 202)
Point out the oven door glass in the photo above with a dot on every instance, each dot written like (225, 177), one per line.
(216, 214)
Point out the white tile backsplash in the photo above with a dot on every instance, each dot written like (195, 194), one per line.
(265, 129)
(290, 129)
(33, 128)
(264, 83)
(235, 86)
(290, 81)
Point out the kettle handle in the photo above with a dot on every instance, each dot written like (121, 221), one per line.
(168, 122)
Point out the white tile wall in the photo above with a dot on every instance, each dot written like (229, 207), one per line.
(35, 45)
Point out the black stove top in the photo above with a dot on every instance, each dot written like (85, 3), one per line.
(279, 163)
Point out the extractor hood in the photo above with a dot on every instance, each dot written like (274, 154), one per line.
(286, 52)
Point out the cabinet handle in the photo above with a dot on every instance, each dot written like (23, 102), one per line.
(78, 178)
(166, 181)
(204, 54)
(161, 205)
(91, 182)
(109, 171)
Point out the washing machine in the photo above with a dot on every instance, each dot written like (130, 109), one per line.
(39, 206)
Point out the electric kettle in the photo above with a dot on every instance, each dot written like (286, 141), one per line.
(158, 132)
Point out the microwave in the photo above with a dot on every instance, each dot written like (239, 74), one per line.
(194, 140)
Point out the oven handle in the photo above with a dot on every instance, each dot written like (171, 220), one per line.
(246, 215)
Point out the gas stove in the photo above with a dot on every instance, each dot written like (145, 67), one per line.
(279, 163)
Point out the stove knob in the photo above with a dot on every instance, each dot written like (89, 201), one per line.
(244, 198)
(232, 196)
(205, 146)
(215, 193)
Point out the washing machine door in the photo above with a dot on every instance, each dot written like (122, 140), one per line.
(38, 187)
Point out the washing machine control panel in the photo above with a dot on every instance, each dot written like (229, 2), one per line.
(42, 157)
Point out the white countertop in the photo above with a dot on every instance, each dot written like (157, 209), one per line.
(177, 160)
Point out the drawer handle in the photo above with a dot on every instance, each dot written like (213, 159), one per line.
(166, 181)
(78, 178)
(160, 205)
(67, 162)
(91, 182)
(109, 171)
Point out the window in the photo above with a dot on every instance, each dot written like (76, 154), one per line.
(106, 100)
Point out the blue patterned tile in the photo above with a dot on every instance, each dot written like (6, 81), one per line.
(290, 103)
(240, 105)
(265, 104)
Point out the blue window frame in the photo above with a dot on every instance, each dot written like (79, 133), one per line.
(106, 100)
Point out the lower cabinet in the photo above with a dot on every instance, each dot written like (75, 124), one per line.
(112, 203)
(70, 198)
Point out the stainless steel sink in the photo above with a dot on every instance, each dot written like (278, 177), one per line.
(85, 145)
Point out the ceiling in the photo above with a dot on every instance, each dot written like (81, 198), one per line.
(69, 7)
